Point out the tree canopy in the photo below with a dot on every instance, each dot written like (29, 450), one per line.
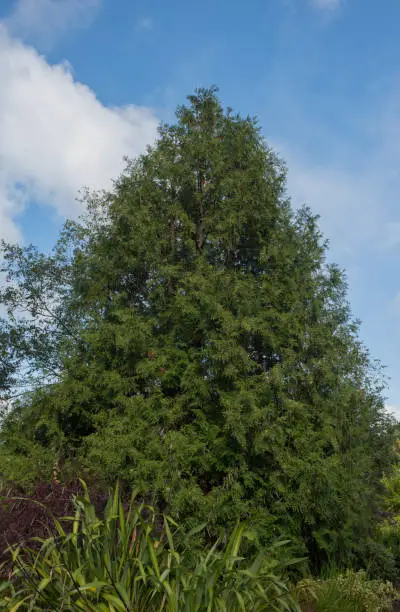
(188, 337)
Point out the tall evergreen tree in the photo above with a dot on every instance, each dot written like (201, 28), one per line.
(216, 365)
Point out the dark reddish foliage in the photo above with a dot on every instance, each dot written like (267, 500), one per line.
(21, 518)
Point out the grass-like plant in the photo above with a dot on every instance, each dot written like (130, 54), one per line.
(128, 560)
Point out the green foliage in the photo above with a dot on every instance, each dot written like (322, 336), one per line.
(8, 365)
(348, 592)
(392, 492)
(388, 536)
(388, 531)
(41, 323)
(198, 346)
(378, 556)
(124, 561)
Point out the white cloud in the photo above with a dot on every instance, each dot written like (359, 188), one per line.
(42, 22)
(326, 5)
(394, 410)
(56, 136)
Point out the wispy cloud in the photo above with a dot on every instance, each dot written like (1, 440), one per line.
(326, 5)
(42, 22)
(351, 178)
(355, 190)
(395, 304)
(146, 24)
(56, 136)
(348, 199)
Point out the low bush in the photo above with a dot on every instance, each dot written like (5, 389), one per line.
(384, 555)
(348, 592)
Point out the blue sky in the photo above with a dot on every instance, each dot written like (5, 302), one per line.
(84, 82)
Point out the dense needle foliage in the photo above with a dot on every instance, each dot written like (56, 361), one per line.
(189, 337)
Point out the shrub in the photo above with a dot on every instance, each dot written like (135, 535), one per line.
(348, 592)
(389, 540)
(388, 531)
(392, 491)
(380, 556)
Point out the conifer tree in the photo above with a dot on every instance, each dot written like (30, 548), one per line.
(216, 365)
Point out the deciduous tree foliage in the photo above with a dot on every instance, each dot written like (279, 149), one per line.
(201, 348)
